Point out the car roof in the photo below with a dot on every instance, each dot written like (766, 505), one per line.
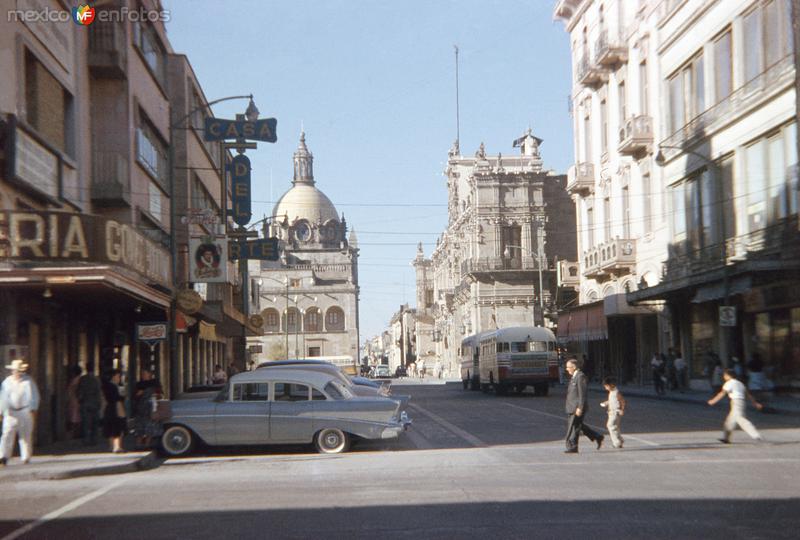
(295, 362)
(304, 376)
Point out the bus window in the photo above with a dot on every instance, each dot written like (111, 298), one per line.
(519, 346)
(499, 347)
(537, 346)
(551, 346)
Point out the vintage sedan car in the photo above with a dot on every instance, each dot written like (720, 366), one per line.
(282, 406)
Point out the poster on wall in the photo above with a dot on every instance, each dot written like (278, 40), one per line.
(208, 257)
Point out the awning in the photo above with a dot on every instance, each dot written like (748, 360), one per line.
(583, 323)
(716, 291)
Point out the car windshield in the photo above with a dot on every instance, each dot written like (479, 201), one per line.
(337, 390)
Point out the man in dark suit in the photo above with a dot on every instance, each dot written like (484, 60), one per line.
(576, 409)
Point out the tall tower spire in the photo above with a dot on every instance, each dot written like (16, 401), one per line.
(303, 163)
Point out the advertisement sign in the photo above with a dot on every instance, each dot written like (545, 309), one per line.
(240, 190)
(219, 129)
(264, 249)
(151, 332)
(208, 256)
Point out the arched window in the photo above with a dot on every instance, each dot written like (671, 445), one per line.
(313, 320)
(291, 320)
(272, 321)
(334, 319)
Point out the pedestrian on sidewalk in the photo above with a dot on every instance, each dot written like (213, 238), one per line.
(657, 370)
(146, 392)
(736, 392)
(576, 405)
(19, 401)
(114, 417)
(73, 405)
(90, 399)
(219, 375)
(615, 404)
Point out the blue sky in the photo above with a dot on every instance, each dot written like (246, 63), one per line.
(373, 84)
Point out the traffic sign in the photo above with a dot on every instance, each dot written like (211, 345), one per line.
(264, 249)
(727, 315)
(219, 129)
(240, 187)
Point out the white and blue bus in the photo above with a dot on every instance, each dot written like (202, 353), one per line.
(513, 358)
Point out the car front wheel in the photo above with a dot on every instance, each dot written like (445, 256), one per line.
(332, 441)
(177, 441)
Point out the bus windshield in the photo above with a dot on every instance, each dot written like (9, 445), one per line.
(537, 346)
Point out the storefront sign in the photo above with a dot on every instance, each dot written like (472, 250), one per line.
(208, 259)
(64, 236)
(189, 301)
(219, 129)
(151, 332)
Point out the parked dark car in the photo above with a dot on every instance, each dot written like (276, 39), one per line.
(401, 371)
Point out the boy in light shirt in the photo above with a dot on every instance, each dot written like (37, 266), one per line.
(616, 408)
(736, 393)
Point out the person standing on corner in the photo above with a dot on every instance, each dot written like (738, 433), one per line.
(89, 394)
(19, 401)
(576, 409)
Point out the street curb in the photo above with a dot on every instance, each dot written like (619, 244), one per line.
(684, 399)
(151, 460)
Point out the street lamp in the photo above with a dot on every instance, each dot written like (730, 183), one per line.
(717, 178)
(173, 223)
(539, 257)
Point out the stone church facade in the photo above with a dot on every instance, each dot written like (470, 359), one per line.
(308, 299)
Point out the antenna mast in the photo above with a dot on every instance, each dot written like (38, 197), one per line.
(458, 130)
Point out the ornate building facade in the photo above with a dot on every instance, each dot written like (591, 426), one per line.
(309, 298)
(509, 223)
(701, 183)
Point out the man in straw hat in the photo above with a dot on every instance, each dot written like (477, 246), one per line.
(19, 400)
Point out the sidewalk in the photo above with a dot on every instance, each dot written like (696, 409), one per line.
(780, 403)
(71, 459)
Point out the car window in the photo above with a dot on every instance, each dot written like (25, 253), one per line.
(250, 392)
(291, 392)
(316, 395)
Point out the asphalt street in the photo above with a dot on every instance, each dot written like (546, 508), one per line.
(472, 466)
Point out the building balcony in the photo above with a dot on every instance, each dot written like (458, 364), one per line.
(610, 50)
(580, 178)
(636, 137)
(617, 256)
(590, 73)
(492, 265)
(110, 180)
(107, 51)
(762, 89)
(568, 274)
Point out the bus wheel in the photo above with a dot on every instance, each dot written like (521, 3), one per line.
(542, 389)
(519, 388)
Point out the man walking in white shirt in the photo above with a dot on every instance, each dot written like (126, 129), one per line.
(19, 401)
(736, 392)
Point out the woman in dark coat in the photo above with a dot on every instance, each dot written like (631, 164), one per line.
(114, 420)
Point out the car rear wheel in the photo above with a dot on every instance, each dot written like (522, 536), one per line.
(332, 441)
(177, 441)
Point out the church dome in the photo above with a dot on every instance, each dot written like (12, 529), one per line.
(304, 200)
